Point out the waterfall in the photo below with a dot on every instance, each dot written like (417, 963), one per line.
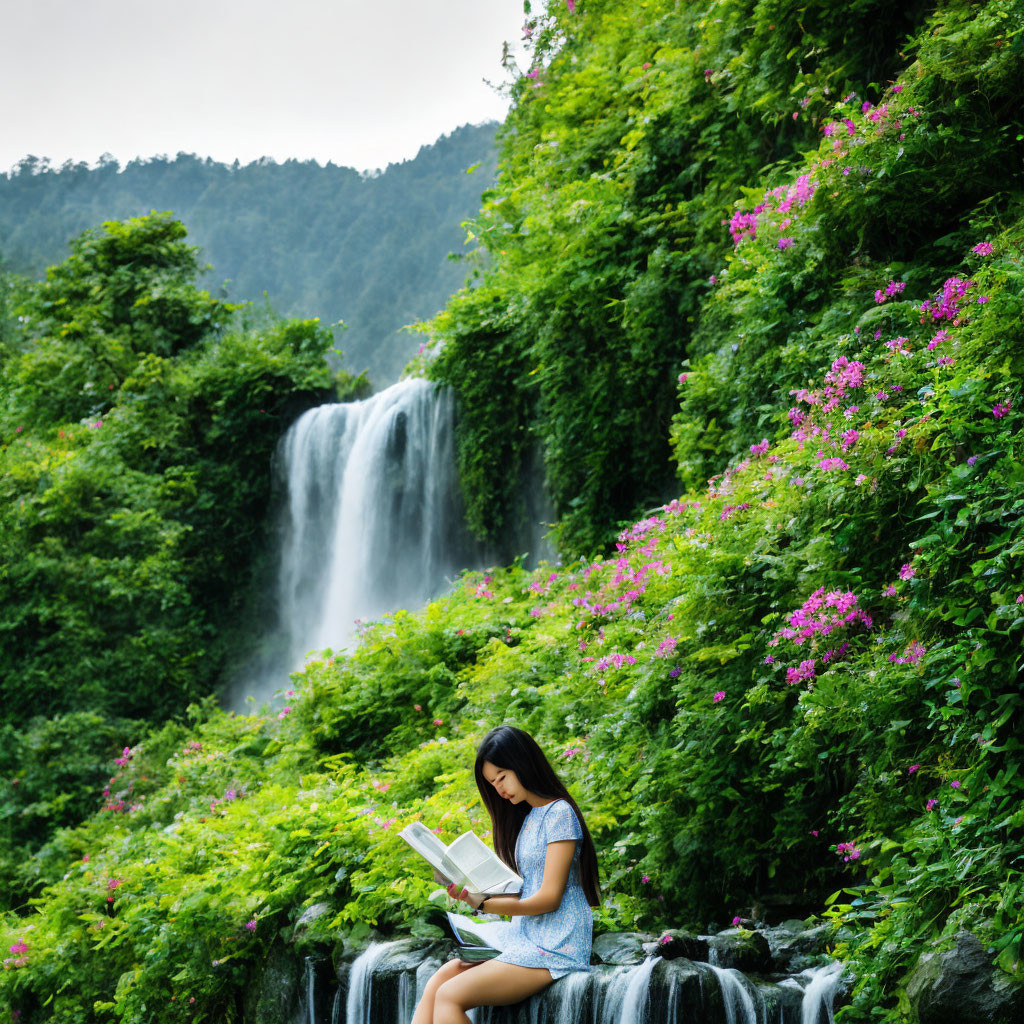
(385, 982)
(819, 986)
(735, 995)
(373, 522)
(360, 980)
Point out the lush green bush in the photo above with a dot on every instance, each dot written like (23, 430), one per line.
(136, 429)
(629, 141)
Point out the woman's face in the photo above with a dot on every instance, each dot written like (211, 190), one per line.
(505, 782)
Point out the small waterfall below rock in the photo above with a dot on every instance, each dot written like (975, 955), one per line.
(384, 983)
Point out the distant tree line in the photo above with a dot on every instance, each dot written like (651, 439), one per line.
(370, 249)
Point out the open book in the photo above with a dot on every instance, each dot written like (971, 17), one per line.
(468, 862)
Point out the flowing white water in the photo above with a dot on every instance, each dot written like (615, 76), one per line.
(736, 997)
(373, 522)
(621, 997)
(360, 980)
(819, 986)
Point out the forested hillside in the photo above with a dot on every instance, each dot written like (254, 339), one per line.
(754, 289)
(327, 242)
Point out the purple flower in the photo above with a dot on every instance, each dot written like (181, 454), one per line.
(955, 784)
(785, 243)
(644, 879)
(983, 248)
(982, 299)
(719, 696)
(19, 947)
(890, 591)
(972, 459)
(907, 571)
(736, 921)
(251, 924)
(932, 804)
(1000, 409)
(913, 768)
(759, 449)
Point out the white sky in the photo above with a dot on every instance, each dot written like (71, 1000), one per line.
(360, 83)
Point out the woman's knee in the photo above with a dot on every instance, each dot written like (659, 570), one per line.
(447, 994)
(451, 969)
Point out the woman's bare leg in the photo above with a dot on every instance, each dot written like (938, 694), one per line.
(425, 1007)
(493, 983)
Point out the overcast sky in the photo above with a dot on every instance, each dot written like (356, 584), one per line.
(360, 83)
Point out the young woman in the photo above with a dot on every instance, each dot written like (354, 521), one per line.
(539, 832)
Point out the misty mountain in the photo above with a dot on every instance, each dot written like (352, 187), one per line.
(370, 249)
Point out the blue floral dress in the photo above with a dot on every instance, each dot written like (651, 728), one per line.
(562, 940)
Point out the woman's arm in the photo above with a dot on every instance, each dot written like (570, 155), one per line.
(557, 861)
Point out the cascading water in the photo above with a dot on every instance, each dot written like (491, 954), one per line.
(373, 517)
(371, 523)
(386, 981)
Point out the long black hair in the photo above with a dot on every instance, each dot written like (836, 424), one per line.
(515, 750)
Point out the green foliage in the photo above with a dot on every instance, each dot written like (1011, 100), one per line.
(136, 429)
(619, 161)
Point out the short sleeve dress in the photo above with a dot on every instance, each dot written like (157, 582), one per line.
(562, 940)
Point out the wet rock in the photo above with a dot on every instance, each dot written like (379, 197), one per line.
(304, 933)
(796, 950)
(620, 948)
(745, 950)
(961, 986)
(675, 943)
(274, 994)
(684, 992)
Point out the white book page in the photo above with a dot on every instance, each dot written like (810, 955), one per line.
(481, 865)
(426, 844)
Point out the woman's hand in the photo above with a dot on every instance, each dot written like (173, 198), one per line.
(474, 899)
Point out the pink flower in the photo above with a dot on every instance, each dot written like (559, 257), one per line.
(719, 696)
(683, 377)
(1000, 409)
(1020, 600)
(664, 939)
(955, 784)
(798, 675)
(114, 883)
(983, 248)
(438, 721)
(890, 591)
(814, 832)
(913, 768)
(932, 804)
(286, 711)
(19, 947)
(666, 647)
(571, 5)
(759, 449)
(417, 707)
(848, 851)
(644, 879)
(982, 299)
(907, 571)
(736, 921)
(785, 243)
